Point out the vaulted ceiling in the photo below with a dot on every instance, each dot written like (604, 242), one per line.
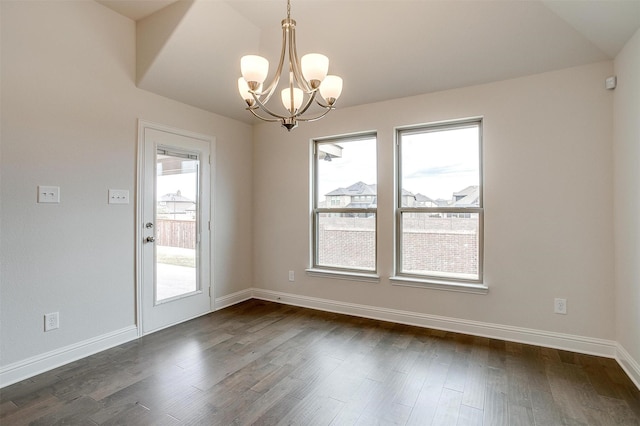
(189, 50)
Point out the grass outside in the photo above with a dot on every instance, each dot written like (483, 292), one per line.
(176, 256)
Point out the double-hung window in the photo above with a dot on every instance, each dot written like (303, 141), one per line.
(439, 214)
(344, 199)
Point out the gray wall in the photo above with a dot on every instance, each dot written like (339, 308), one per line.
(70, 110)
(627, 200)
(548, 175)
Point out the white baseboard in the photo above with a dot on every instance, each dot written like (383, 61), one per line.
(38, 364)
(232, 299)
(628, 364)
(581, 344)
(30, 367)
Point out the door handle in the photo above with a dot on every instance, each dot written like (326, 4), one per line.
(150, 239)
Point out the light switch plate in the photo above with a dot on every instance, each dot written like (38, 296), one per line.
(48, 194)
(118, 196)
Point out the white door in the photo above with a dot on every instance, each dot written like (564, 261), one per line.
(174, 227)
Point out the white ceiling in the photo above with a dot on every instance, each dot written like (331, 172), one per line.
(136, 9)
(190, 50)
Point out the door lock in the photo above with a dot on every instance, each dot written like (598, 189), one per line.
(149, 225)
(150, 239)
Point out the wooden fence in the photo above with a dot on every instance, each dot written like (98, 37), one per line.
(176, 233)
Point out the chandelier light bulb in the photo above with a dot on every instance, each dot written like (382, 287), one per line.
(331, 88)
(314, 68)
(298, 96)
(254, 69)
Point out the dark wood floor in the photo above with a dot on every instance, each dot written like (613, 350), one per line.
(264, 363)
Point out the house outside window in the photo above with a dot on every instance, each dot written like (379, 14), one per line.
(439, 212)
(344, 201)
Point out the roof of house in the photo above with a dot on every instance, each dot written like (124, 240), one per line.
(470, 197)
(422, 198)
(175, 197)
(468, 201)
(358, 188)
(469, 190)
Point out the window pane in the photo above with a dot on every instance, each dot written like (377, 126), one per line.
(441, 168)
(346, 173)
(347, 240)
(346, 180)
(441, 244)
(439, 178)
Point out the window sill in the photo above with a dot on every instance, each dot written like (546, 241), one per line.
(439, 285)
(352, 276)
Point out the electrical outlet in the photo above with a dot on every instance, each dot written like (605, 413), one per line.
(560, 306)
(51, 321)
(292, 276)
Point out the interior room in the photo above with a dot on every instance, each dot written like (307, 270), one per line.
(92, 90)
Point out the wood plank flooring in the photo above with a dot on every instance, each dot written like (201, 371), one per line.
(262, 363)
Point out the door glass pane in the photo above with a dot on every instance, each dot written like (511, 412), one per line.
(176, 225)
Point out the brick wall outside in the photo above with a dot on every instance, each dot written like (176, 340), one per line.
(442, 251)
(429, 244)
(347, 242)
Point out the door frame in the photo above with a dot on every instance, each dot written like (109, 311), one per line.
(139, 223)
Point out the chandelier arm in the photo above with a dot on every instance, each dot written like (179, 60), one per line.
(305, 119)
(271, 88)
(271, 120)
(306, 106)
(325, 106)
(294, 63)
(267, 110)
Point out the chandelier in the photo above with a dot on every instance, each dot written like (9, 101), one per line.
(307, 76)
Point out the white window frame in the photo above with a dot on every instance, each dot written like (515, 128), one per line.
(317, 269)
(439, 282)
